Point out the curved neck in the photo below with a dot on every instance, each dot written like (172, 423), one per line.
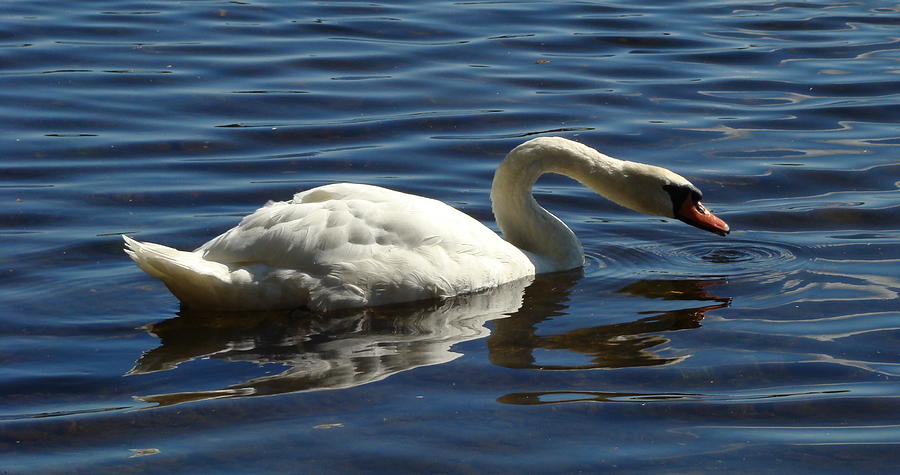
(547, 241)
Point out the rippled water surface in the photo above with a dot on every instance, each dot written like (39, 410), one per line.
(774, 349)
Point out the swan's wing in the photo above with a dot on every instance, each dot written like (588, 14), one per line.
(340, 223)
(380, 241)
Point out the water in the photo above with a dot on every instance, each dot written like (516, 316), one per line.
(674, 350)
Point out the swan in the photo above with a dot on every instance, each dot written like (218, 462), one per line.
(347, 245)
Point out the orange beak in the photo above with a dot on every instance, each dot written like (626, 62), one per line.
(694, 213)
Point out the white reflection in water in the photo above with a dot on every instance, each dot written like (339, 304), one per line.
(355, 348)
(324, 352)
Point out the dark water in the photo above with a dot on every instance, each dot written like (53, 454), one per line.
(773, 349)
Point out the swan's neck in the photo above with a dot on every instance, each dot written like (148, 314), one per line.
(550, 244)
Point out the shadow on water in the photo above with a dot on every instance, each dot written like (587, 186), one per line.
(352, 349)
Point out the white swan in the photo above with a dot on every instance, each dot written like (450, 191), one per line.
(349, 245)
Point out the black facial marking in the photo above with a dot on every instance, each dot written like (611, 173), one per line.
(680, 193)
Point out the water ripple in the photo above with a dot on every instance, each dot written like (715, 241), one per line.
(735, 258)
(731, 258)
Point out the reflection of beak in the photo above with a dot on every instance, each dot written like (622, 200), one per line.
(695, 214)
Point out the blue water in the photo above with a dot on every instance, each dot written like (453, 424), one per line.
(773, 349)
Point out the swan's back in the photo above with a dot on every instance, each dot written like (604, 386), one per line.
(339, 246)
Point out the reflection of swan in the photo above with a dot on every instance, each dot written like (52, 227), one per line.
(324, 352)
(618, 345)
(352, 349)
(563, 397)
(348, 246)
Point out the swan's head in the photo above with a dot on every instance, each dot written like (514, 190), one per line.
(644, 188)
(660, 192)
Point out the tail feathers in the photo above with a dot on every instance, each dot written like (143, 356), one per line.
(190, 277)
(209, 285)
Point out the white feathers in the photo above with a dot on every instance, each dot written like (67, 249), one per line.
(337, 246)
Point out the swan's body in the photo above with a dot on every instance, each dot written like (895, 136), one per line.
(350, 245)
